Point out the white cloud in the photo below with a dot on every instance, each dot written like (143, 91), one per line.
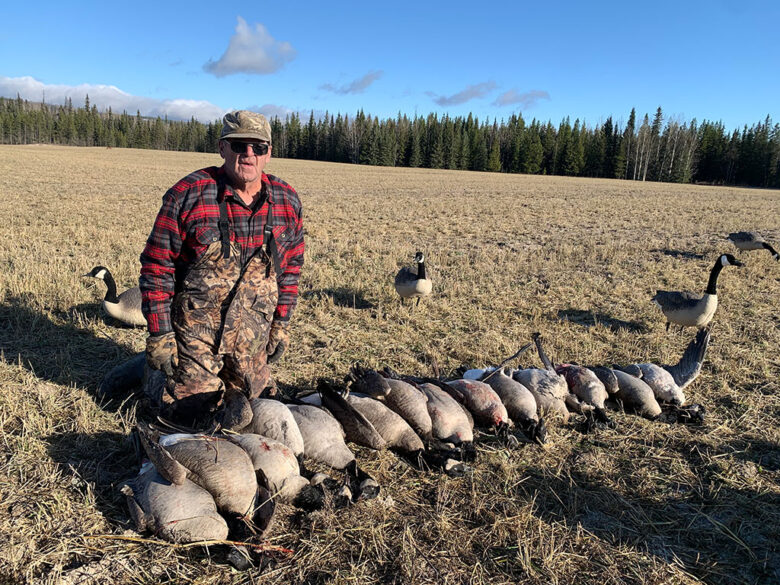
(471, 92)
(105, 96)
(252, 51)
(357, 86)
(526, 100)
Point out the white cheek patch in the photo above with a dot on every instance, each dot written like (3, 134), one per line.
(101, 273)
(724, 261)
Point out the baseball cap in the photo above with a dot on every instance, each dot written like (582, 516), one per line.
(245, 124)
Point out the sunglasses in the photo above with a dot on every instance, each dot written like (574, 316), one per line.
(259, 148)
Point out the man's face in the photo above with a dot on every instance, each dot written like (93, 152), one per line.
(244, 168)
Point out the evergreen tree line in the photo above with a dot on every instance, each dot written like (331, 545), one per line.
(654, 149)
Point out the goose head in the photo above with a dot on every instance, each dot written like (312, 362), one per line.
(98, 272)
(419, 257)
(729, 260)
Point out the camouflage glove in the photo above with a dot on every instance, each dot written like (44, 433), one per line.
(161, 352)
(278, 340)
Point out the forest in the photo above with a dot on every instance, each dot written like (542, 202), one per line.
(645, 148)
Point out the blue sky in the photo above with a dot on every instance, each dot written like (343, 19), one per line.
(715, 60)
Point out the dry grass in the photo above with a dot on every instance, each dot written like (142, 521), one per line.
(574, 259)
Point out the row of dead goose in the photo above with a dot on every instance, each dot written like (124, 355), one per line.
(204, 486)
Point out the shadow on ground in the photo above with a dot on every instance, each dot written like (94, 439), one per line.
(590, 319)
(685, 255)
(714, 528)
(55, 349)
(342, 297)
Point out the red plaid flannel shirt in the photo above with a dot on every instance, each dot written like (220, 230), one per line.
(190, 205)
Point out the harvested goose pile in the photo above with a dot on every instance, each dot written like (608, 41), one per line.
(226, 483)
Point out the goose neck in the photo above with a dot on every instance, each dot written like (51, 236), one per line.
(110, 288)
(421, 270)
(713, 282)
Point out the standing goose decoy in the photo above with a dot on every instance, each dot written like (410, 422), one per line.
(688, 309)
(409, 284)
(752, 241)
(668, 382)
(127, 306)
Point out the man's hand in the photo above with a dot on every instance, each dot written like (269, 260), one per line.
(278, 340)
(161, 353)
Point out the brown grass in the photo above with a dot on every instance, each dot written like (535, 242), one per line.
(575, 259)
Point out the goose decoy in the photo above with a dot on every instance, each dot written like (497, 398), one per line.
(752, 241)
(409, 284)
(668, 382)
(549, 389)
(125, 307)
(688, 309)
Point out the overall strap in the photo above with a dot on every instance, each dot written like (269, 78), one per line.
(268, 237)
(224, 226)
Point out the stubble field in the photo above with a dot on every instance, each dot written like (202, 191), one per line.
(575, 259)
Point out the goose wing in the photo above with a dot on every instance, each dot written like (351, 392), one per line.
(405, 275)
(689, 366)
(676, 300)
(745, 237)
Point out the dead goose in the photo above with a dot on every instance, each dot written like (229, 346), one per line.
(520, 404)
(177, 512)
(409, 284)
(223, 469)
(125, 307)
(690, 310)
(589, 390)
(636, 395)
(482, 401)
(357, 428)
(323, 441)
(282, 471)
(549, 389)
(449, 420)
(407, 401)
(752, 241)
(272, 419)
(668, 382)
(367, 381)
(396, 432)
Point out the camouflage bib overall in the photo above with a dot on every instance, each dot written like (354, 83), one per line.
(222, 317)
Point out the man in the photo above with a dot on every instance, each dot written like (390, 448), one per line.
(219, 276)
